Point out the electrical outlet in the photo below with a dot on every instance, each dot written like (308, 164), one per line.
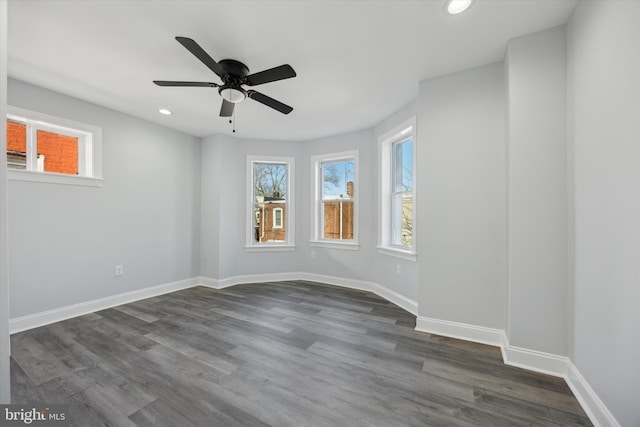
(313, 254)
(119, 270)
(398, 270)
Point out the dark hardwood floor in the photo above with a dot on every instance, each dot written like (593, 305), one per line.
(276, 354)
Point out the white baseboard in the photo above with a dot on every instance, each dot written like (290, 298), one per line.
(247, 278)
(35, 320)
(598, 413)
(31, 321)
(390, 295)
(546, 363)
(463, 331)
(382, 291)
(208, 282)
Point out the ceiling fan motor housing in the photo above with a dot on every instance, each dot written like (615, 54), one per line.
(234, 69)
(235, 77)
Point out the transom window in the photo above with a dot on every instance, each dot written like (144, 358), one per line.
(50, 149)
(335, 205)
(270, 207)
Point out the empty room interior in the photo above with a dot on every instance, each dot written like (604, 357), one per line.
(321, 213)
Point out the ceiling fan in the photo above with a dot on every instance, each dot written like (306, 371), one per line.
(234, 75)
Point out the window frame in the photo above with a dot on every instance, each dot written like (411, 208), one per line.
(387, 142)
(289, 218)
(317, 218)
(89, 148)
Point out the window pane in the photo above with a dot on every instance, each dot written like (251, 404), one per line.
(403, 166)
(16, 145)
(396, 172)
(396, 219)
(338, 192)
(270, 202)
(57, 153)
(407, 220)
(337, 180)
(338, 218)
(407, 165)
(402, 219)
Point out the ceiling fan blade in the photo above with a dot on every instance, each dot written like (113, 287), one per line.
(269, 102)
(203, 56)
(271, 75)
(227, 108)
(185, 84)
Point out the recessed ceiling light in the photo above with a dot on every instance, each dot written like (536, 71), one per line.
(164, 111)
(457, 6)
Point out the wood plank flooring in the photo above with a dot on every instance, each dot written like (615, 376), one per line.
(275, 354)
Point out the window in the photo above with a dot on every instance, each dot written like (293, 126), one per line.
(277, 218)
(397, 191)
(270, 207)
(50, 149)
(335, 205)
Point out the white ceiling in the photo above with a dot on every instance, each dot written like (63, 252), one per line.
(357, 61)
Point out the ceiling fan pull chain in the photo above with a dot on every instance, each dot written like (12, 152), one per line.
(234, 120)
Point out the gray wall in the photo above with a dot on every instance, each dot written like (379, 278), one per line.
(339, 262)
(604, 131)
(384, 266)
(5, 392)
(224, 161)
(171, 208)
(537, 191)
(223, 254)
(211, 186)
(65, 240)
(461, 197)
(366, 263)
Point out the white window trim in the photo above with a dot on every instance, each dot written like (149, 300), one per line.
(347, 246)
(250, 244)
(385, 142)
(397, 253)
(316, 194)
(89, 173)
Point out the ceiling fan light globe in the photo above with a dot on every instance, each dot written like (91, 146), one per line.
(233, 95)
(455, 7)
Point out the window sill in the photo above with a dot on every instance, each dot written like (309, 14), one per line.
(397, 253)
(53, 178)
(270, 248)
(335, 245)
